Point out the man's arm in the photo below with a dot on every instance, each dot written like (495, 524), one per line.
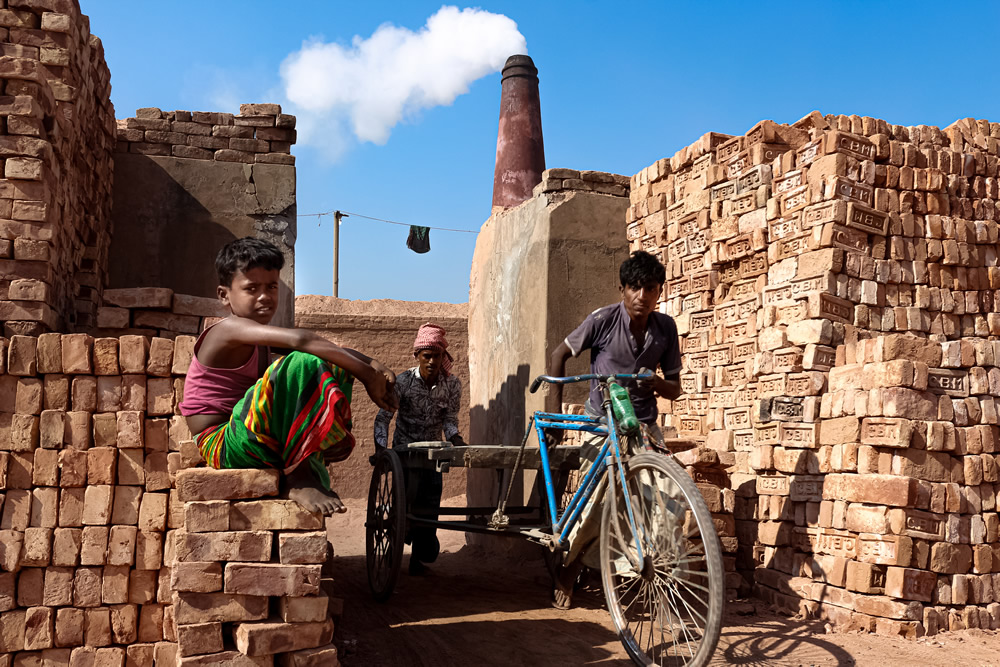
(450, 425)
(378, 382)
(557, 367)
(382, 428)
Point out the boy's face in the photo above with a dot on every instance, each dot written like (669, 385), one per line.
(429, 362)
(253, 294)
(640, 301)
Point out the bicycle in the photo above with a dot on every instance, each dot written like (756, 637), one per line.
(660, 558)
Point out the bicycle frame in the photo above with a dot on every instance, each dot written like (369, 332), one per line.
(562, 526)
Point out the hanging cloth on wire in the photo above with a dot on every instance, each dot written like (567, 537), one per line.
(419, 239)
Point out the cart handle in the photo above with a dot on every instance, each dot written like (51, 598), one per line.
(589, 376)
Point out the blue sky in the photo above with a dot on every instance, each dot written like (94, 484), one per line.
(622, 85)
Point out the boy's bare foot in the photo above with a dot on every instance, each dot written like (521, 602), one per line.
(303, 488)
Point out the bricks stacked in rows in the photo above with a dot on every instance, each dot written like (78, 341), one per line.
(247, 573)
(89, 444)
(260, 133)
(558, 180)
(797, 257)
(155, 311)
(56, 141)
(707, 467)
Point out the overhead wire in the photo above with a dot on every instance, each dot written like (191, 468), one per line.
(390, 222)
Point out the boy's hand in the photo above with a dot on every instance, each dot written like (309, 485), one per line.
(381, 387)
(648, 383)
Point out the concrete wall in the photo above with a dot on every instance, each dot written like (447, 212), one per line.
(223, 182)
(537, 271)
(385, 329)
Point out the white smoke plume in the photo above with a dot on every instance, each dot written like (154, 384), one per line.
(366, 88)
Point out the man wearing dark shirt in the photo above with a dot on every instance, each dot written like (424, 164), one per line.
(626, 337)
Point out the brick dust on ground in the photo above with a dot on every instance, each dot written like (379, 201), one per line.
(475, 609)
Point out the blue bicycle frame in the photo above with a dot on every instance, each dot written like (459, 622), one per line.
(562, 526)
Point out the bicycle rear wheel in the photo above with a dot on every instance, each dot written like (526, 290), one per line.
(385, 527)
(668, 609)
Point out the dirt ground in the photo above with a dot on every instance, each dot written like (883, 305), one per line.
(477, 610)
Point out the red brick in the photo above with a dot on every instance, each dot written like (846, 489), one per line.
(271, 579)
(132, 353)
(28, 399)
(209, 607)
(161, 356)
(68, 627)
(205, 577)
(272, 515)
(142, 586)
(199, 638)
(97, 505)
(153, 512)
(131, 470)
(149, 550)
(159, 396)
(76, 351)
(139, 297)
(109, 393)
(87, 587)
(251, 546)
(21, 359)
(44, 507)
(97, 627)
(324, 656)
(66, 543)
(133, 392)
(102, 465)
(266, 638)
(78, 433)
(52, 430)
(874, 489)
(56, 391)
(84, 393)
(106, 356)
(308, 609)
(58, 587)
(12, 630)
(300, 548)
(114, 584)
(151, 623)
(49, 353)
(124, 623)
(210, 484)
(71, 503)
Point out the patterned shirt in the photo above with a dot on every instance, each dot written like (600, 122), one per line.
(424, 412)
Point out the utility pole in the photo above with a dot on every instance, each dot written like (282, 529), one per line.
(337, 215)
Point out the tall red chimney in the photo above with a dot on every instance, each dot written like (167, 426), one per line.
(520, 154)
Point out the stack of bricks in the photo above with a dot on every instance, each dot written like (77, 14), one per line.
(260, 133)
(707, 467)
(57, 136)
(89, 443)
(559, 180)
(835, 285)
(155, 311)
(246, 576)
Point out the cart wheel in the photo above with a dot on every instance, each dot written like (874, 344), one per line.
(667, 609)
(385, 527)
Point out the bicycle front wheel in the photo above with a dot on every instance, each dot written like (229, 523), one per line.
(667, 608)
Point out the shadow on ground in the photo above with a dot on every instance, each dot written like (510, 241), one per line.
(477, 609)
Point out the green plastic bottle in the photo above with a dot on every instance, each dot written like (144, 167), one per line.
(622, 406)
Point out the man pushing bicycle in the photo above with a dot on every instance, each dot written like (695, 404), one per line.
(626, 337)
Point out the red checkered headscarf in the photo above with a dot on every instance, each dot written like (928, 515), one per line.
(432, 337)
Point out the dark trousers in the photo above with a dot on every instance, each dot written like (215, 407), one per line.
(423, 492)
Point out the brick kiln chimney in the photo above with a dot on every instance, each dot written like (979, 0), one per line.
(520, 154)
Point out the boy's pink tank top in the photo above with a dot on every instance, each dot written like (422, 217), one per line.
(216, 391)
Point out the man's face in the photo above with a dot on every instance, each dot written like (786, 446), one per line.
(640, 301)
(253, 294)
(429, 362)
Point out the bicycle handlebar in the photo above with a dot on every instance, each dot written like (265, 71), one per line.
(589, 376)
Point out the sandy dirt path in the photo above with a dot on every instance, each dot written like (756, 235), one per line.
(475, 609)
